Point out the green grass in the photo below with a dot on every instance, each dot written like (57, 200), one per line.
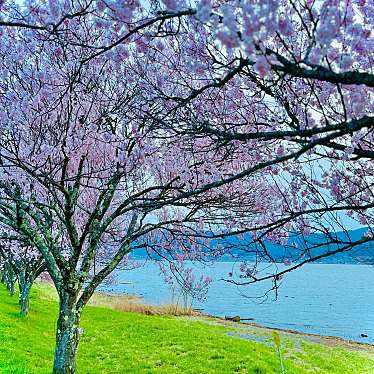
(119, 342)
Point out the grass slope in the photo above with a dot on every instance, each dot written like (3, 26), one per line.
(120, 342)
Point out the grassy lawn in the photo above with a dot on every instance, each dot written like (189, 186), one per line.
(122, 342)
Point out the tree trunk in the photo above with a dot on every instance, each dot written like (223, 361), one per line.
(11, 287)
(10, 280)
(67, 335)
(25, 284)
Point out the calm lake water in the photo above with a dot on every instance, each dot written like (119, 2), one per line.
(335, 300)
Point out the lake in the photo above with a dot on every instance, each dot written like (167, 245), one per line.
(326, 299)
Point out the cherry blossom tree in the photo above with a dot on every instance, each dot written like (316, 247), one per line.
(7, 276)
(22, 264)
(85, 174)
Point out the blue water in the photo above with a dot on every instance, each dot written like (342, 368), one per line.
(336, 300)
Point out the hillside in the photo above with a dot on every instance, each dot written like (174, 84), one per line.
(239, 248)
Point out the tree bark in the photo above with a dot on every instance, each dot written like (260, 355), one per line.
(67, 335)
(24, 294)
(10, 280)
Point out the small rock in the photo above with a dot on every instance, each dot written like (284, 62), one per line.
(364, 336)
(234, 319)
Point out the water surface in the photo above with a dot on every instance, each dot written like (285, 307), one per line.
(324, 299)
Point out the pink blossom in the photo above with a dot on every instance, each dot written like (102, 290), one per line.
(228, 39)
(170, 4)
(285, 26)
(346, 62)
(262, 66)
(58, 52)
